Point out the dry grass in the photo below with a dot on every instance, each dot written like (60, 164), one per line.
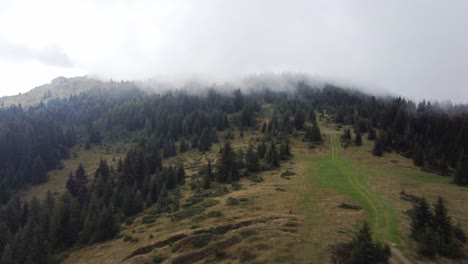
(319, 222)
(89, 158)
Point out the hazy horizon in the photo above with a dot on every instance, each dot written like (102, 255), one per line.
(414, 49)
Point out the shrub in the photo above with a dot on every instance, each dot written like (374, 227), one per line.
(219, 252)
(201, 240)
(236, 186)
(350, 206)
(209, 203)
(148, 219)
(158, 259)
(187, 212)
(214, 214)
(232, 201)
(246, 256)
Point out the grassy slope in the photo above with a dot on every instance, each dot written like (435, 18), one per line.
(89, 158)
(374, 183)
(326, 176)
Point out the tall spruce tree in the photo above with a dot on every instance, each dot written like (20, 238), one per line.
(227, 169)
(251, 160)
(421, 218)
(358, 139)
(299, 119)
(39, 171)
(204, 143)
(461, 173)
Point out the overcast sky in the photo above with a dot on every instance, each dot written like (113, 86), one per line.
(414, 48)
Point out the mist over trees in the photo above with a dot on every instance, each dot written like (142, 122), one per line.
(35, 140)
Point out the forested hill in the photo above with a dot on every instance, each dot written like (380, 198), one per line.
(60, 88)
(36, 139)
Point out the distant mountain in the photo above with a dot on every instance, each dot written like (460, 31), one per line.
(59, 87)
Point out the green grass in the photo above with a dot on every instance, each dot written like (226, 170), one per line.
(337, 173)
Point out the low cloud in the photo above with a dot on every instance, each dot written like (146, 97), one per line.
(50, 55)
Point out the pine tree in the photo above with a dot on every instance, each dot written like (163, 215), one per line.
(372, 134)
(227, 169)
(4, 235)
(272, 156)
(421, 219)
(365, 251)
(7, 256)
(264, 127)
(418, 157)
(204, 143)
(183, 146)
(346, 135)
(299, 119)
(154, 160)
(251, 160)
(180, 174)
(285, 150)
(461, 174)
(316, 134)
(378, 147)
(103, 170)
(139, 204)
(358, 139)
(39, 171)
(194, 141)
(206, 181)
(238, 100)
(442, 223)
(107, 226)
(261, 149)
(169, 149)
(81, 183)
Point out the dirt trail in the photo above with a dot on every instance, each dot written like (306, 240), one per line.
(397, 256)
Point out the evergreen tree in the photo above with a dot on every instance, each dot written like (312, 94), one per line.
(346, 135)
(316, 134)
(4, 235)
(227, 169)
(206, 181)
(204, 143)
(39, 171)
(107, 226)
(251, 160)
(418, 158)
(65, 223)
(169, 149)
(272, 156)
(261, 149)
(194, 141)
(103, 170)
(180, 174)
(365, 251)
(299, 119)
(183, 146)
(81, 183)
(421, 218)
(448, 245)
(378, 147)
(238, 100)
(285, 150)
(461, 174)
(358, 139)
(7, 256)
(372, 134)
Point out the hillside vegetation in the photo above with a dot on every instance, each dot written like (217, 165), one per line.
(120, 176)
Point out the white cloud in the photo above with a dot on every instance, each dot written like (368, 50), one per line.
(414, 48)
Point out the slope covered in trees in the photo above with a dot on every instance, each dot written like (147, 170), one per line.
(35, 140)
